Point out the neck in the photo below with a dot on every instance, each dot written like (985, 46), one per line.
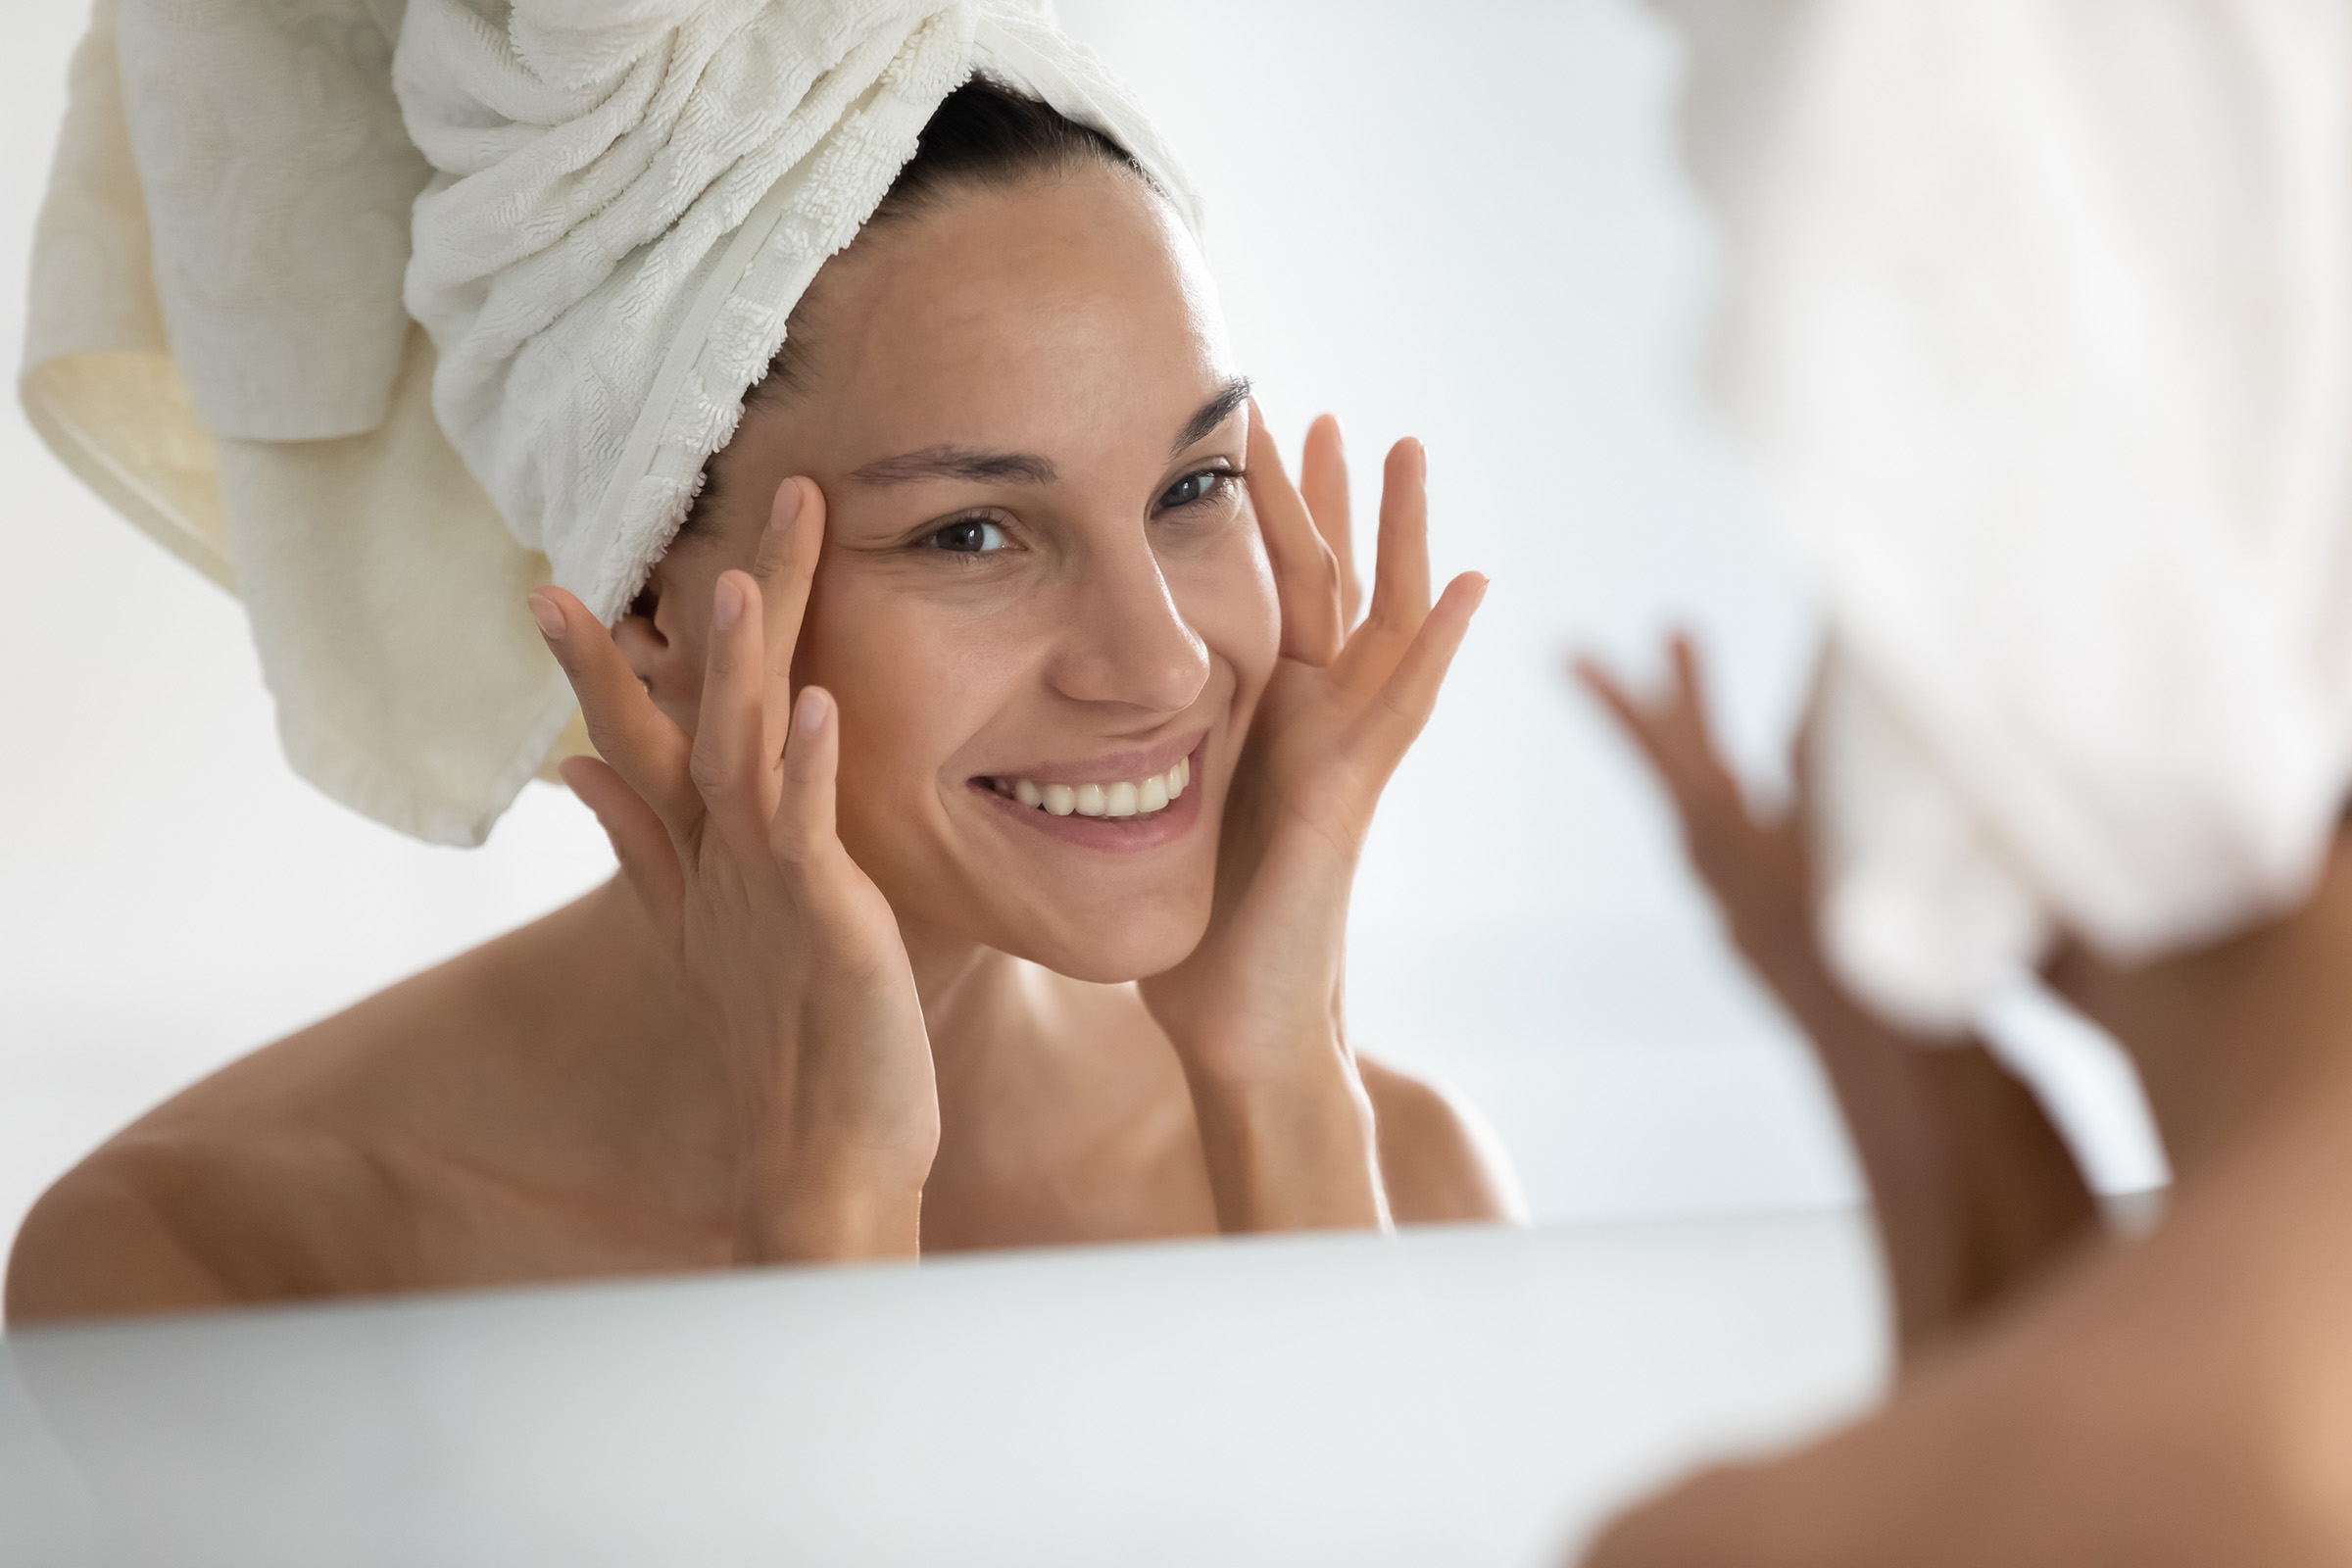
(976, 1000)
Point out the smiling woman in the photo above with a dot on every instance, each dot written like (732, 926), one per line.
(987, 759)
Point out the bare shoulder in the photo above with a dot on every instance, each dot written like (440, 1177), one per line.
(1442, 1162)
(158, 1221)
(95, 1246)
(279, 1176)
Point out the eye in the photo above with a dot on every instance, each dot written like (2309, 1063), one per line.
(966, 536)
(1195, 488)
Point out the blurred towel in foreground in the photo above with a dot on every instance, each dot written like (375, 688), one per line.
(2039, 329)
(384, 312)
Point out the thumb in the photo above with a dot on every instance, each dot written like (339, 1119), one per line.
(639, 840)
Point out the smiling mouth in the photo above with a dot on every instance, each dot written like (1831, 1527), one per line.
(1123, 798)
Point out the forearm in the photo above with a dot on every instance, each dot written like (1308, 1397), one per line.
(1972, 1190)
(1918, 1194)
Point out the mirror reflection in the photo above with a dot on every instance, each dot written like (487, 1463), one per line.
(987, 727)
(843, 634)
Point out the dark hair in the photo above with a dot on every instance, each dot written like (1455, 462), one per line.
(980, 134)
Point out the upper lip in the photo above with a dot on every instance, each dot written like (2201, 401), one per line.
(1110, 768)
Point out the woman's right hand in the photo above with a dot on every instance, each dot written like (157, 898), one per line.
(790, 955)
(1754, 864)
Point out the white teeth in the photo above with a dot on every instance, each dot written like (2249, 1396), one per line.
(1124, 798)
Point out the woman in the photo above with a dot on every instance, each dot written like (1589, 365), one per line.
(2052, 409)
(2061, 1398)
(1000, 668)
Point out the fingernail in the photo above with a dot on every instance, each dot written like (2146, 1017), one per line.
(726, 606)
(787, 509)
(813, 711)
(549, 617)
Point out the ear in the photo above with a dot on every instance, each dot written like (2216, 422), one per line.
(663, 640)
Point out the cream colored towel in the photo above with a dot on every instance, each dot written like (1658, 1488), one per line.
(2038, 327)
(382, 314)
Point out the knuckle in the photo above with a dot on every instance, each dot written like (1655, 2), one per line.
(1405, 709)
(710, 774)
(803, 861)
(604, 733)
(798, 853)
(776, 556)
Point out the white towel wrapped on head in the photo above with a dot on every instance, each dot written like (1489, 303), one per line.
(383, 312)
(2040, 331)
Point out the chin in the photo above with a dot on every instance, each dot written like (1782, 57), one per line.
(1114, 952)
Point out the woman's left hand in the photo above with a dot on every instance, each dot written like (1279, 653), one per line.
(1254, 1012)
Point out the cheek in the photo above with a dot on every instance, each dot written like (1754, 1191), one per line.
(866, 653)
(911, 678)
(1228, 598)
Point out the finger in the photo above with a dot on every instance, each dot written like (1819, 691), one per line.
(1644, 727)
(1306, 572)
(1411, 694)
(1684, 711)
(1400, 574)
(1808, 723)
(1672, 733)
(1323, 483)
(628, 731)
(1689, 676)
(640, 841)
(804, 826)
(730, 764)
(1604, 687)
(784, 568)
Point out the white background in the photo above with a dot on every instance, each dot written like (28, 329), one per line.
(1472, 232)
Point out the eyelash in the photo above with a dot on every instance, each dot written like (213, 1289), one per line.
(1221, 485)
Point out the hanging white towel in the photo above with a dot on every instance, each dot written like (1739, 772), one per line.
(383, 312)
(2036, 330)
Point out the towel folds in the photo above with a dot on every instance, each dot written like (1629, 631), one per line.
(2038, 328)
(383, 312)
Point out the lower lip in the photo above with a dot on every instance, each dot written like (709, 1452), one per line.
(1115, 835)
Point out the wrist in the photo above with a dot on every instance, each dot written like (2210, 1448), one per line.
(1289, 1148)
(813, 1205)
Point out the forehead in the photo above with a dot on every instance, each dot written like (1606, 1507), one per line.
(1064, 303)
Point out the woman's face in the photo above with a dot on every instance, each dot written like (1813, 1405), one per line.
(1042, 577)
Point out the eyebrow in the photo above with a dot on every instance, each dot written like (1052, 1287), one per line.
(1215, 411)
(968, 463)
(975, 465)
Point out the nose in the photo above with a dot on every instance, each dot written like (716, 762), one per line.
(1127, 641)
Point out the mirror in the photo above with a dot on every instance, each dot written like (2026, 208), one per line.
(1551, 964)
